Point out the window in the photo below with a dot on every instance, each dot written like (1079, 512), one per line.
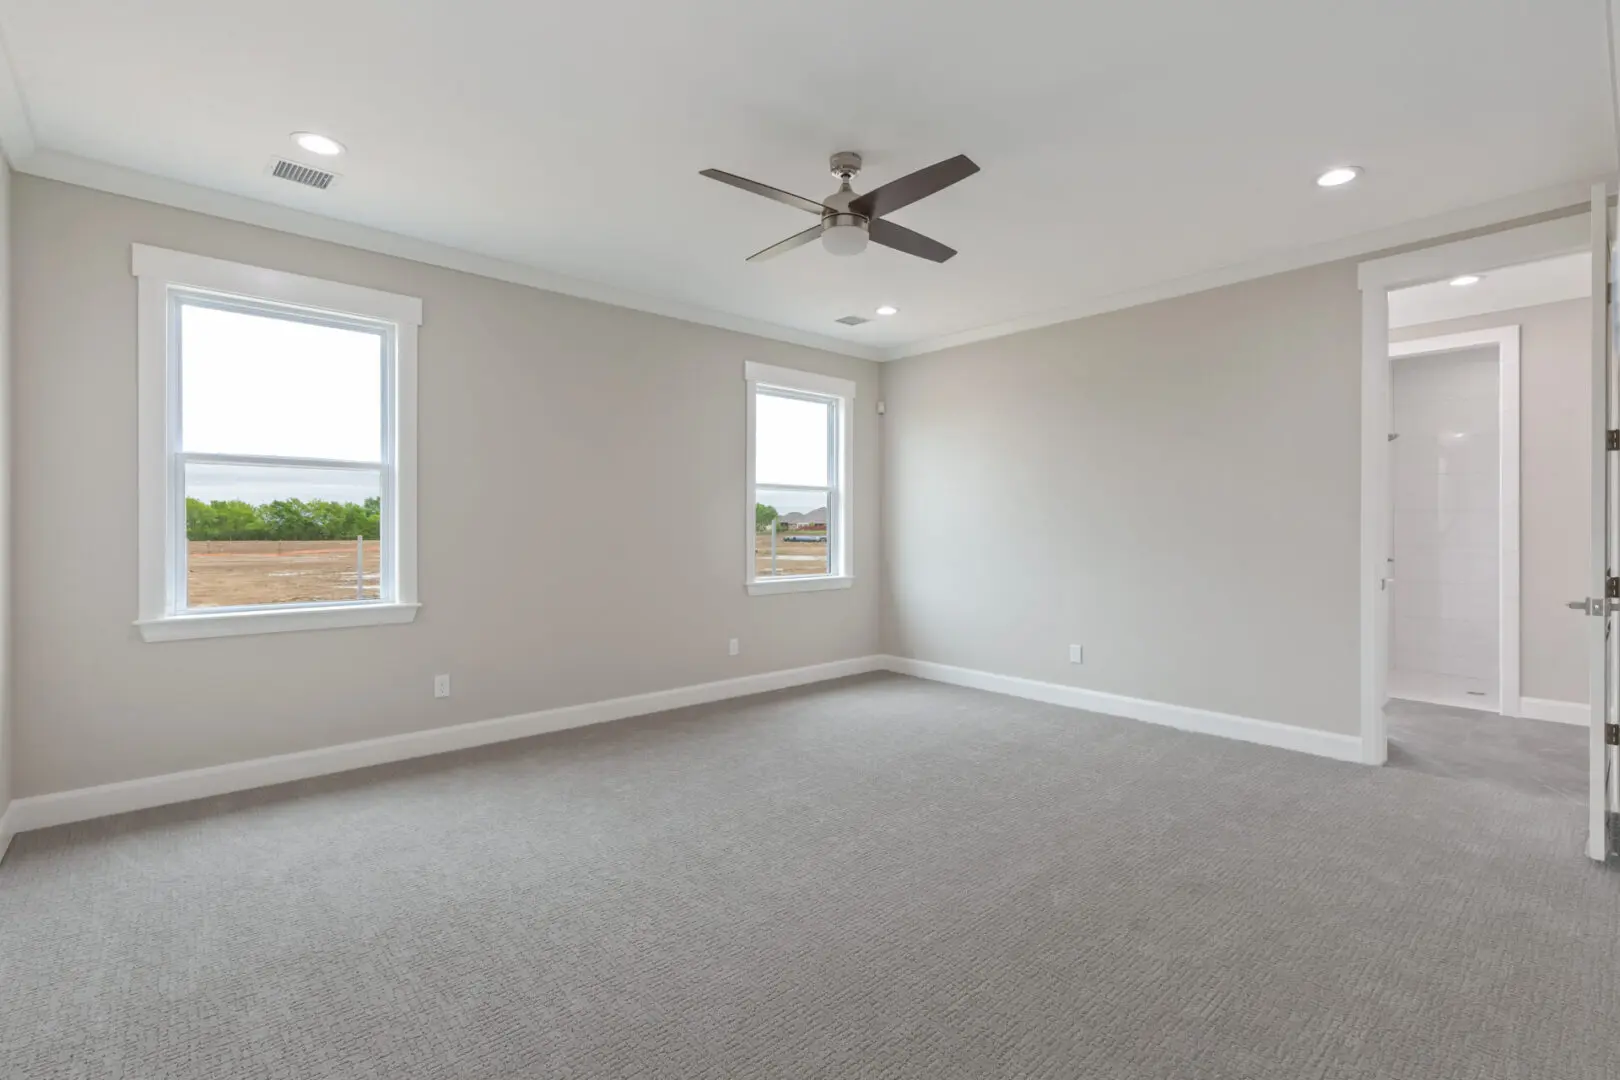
(798, 518)
(277, 455)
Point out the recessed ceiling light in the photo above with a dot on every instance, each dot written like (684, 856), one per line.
(318, 144)
(1465, 280)
(1338, 177)
(888, 309)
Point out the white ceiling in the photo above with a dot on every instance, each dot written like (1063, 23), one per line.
(1124, 146)
(1568, 277)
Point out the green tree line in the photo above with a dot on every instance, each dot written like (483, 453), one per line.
(284, 519)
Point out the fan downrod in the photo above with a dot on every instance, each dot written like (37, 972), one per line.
(845, 165)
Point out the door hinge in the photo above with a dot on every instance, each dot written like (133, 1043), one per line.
(1614, 440)
(1611, 734)
(1612, 589)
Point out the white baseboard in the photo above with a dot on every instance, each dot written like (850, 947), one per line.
(1266, 732)
(1559, 712)
(63, 807)
(6, 831)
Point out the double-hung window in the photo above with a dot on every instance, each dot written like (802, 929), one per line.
(798, 508)
(277, 450)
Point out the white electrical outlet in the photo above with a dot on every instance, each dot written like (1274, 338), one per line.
(735, 647)
(441, 686)
(1077, 654)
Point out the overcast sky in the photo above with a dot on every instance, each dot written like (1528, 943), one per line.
(254, 385)
(261, 386)
(791, 439)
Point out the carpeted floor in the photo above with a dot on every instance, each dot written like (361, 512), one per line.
(875, 878)
(1531, 757)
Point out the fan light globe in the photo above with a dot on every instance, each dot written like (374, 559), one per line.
(843, 239)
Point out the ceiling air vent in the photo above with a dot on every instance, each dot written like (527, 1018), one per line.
(302, 174)
(853, 320)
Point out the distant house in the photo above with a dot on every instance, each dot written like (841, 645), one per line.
(796, 520)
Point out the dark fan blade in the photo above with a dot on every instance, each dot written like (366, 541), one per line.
(903, 239)
(908, 189)
(798, 201)
(789, 244)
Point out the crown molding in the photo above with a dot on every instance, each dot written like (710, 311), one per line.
(16, 129)
(1498, 212)
(117, 180)
(84, 172)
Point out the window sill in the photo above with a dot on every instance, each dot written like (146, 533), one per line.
(769, 586)
(238, 623)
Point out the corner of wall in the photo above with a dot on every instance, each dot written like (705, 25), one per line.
(886, 621)
(5, 507)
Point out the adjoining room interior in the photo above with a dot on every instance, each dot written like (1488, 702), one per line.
(1489, 499)
(493, 585)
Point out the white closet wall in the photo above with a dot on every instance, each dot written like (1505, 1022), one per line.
(1447, 490)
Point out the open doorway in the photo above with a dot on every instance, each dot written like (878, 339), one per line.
(1483, 455)
(1465, 353)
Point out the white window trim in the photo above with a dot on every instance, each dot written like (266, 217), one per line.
(843, 575)
(156, 271)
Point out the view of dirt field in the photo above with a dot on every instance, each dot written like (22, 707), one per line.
(795, 554)
(235, 573)
(232, 573)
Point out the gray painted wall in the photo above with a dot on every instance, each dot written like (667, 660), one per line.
(6, 462)
(545, 422)
(1555, 389)
(1174, 486)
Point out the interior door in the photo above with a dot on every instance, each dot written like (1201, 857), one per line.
(1603, 647)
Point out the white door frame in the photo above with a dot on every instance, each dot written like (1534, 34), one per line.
(1529, 243)
(1505, 339)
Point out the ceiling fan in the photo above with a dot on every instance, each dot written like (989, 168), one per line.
(848, 220)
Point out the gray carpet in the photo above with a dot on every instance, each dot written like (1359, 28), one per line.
(876, 878)
(1531, 757)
